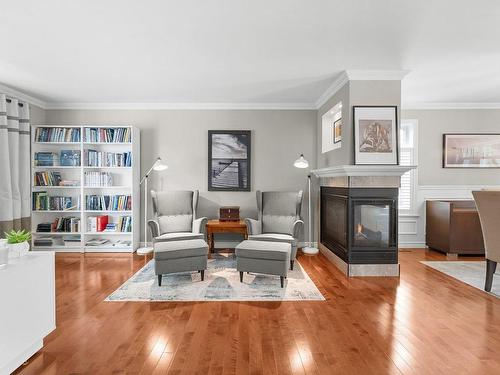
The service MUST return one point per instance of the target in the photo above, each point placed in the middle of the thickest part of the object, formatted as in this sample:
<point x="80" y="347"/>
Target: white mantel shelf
<point x="363" y="171"/>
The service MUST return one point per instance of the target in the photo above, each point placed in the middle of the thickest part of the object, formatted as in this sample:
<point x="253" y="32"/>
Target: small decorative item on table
<point x="229" y="213"/>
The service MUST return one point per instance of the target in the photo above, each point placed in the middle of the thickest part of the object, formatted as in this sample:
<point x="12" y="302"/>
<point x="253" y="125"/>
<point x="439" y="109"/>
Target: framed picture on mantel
<point x="375" y="135"/>
<point x="471" y="150"/>
<point x="229" y="154"/>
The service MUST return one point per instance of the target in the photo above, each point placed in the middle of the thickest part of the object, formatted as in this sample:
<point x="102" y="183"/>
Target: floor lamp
<point x="302" y="163"/>
<point x="157" y="166"/>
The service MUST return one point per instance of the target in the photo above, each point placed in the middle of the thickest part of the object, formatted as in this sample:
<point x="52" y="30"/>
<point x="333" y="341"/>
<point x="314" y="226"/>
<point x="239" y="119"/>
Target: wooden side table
<point x="216" y="226"/>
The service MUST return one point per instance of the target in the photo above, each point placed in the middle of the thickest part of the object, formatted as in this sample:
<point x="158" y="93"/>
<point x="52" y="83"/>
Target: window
<point x="408" y="156"/>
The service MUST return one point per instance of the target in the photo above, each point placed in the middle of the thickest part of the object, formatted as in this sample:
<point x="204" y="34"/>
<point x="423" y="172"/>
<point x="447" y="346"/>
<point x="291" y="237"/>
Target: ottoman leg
<point x="282" y="280"/>
<point x="159" y="280"/>
<point x="291" y="265"/>
<point x="202" y="274"/>
<point x="241" y="277"/>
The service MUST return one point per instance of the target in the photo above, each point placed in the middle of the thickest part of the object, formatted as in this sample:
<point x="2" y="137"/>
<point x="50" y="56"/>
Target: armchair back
<point x="278" y="210"/>
<point x="175" y="210"/>
<point x="488" y="206"/>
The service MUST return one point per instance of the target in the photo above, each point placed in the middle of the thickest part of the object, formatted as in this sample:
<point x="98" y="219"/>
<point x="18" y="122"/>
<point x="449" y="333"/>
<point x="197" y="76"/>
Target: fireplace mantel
<point x="363" y="171"/>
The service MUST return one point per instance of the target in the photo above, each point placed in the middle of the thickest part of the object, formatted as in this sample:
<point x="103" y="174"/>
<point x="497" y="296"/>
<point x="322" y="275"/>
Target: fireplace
<point x="359" y="225"/>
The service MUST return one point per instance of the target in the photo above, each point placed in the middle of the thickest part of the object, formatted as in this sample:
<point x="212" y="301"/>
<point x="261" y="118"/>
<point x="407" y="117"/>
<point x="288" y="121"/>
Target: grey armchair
<point x="278" y="219"/>
<point x="488" y="206"/>
<point x="175" y="213"/>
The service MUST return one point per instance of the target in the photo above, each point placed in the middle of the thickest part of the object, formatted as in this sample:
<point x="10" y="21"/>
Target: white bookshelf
<point x="125" y="182"/>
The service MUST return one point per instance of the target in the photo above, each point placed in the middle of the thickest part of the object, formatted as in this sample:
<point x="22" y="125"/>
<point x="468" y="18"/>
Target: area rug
<point x="472" y="273"/>
<point x="222" y="283"/>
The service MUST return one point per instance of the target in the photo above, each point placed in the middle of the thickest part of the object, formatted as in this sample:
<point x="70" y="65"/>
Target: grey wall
<point x="37" y="115"/>
<point x="180" y="138"/>
<point x="342" y="155"/>
<point x="351" y="94"/>
<point x="432" y="124"/>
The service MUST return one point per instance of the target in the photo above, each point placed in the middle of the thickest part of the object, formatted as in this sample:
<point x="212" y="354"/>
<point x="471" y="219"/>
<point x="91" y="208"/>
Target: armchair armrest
<point x="200" y="225"/>
<point x="296" y="228"/>
<point x="154" y="227"/>
<point x="253" y="226"/>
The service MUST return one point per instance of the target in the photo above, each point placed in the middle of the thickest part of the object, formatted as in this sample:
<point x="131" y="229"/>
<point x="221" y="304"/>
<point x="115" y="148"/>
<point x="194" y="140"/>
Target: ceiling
<point x="240" y="51"/>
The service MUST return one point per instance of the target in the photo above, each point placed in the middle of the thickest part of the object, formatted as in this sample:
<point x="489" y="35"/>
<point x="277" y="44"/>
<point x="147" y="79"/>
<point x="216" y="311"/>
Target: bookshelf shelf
<point x="108" y="143"/>
<point x="55" y="187"/>
<point x="55" y="211"/>
<point x="55" y="233"/>
<point x="107" y="187"/>
<point x="108" y="211"/>
<point x="87" y="167"/>
<point x="38" y="167"/>
<point x="104" y="233"/>
<point x="56" y="143"/>
<point x="126" y="180"/>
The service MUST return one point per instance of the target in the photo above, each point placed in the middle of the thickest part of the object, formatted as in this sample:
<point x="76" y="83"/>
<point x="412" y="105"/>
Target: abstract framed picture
<point x="477" y="150"/>
<point x="337" y="131"/>
<point x="229" y="154"/>
<point x="375" y="135"/>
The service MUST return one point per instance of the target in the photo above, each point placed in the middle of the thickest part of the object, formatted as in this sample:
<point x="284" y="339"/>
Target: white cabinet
<point x="27" y="307"/>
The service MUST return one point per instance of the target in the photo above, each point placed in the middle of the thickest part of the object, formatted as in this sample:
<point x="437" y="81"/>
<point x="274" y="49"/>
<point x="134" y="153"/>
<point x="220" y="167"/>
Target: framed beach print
<point x="375" y="135"/>
<point x="337" y="131"/>
<point x="471" y="150"/>
<point x="229" y="160"/>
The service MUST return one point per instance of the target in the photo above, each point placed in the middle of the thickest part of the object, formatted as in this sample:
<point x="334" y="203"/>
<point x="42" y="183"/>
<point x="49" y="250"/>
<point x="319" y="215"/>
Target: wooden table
<point x="216" y="226"/>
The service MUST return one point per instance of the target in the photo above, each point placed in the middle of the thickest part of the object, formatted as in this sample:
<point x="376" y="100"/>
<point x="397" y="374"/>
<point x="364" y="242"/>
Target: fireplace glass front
<point x="372" y="226"/>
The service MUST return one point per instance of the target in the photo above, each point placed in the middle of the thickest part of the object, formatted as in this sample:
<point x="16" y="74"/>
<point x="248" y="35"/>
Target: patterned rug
<point x="472" y="273"/>
<point x="222" y="283"/>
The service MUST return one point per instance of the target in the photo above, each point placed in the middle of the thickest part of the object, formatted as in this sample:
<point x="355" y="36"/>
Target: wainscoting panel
<point x="412" y="227"/>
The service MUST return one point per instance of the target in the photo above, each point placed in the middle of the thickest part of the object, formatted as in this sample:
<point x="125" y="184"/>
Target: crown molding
<point x="339" y="82"/>
<point x="359" y="75"/>
<point x="22" y="96"/>
<point x="181" y="106"/>
<point x="437" y="106"/>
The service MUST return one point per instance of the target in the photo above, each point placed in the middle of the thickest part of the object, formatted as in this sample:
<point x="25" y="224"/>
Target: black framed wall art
<point x="471" y="150"/>
<point x="375" y="135"/>
<point x="229" y="156"/>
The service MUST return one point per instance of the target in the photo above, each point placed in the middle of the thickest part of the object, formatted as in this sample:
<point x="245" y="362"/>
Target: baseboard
<point x="412" y="245"/>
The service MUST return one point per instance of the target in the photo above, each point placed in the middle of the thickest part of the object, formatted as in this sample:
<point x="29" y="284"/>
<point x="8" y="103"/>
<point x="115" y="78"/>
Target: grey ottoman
<point x="266" y="257"/>
<point x="180" y="256"/>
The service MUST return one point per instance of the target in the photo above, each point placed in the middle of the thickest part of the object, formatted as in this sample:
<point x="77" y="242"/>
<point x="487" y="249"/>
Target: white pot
<point x="19" y="249"/>
<point x="4" y="255"/>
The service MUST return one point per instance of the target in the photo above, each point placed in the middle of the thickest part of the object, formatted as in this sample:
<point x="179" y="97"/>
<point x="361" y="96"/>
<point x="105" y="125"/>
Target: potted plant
<point x="17" y="241"/>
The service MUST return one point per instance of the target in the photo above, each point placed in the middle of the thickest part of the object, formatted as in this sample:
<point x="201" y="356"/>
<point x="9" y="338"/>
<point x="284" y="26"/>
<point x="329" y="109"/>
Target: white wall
<point x="180" y="137"/>
<point x="436" y="182"/>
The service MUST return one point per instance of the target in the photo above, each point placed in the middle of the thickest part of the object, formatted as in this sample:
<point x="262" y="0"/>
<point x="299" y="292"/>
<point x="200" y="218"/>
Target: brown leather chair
<point x="488" y="206"/>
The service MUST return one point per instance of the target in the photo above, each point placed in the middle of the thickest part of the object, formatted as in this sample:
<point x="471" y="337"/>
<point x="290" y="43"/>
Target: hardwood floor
<point x="423" y="323"/>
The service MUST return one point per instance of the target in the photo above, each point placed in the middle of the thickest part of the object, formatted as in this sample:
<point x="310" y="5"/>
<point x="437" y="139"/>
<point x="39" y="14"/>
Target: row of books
<point x="47" y="178"/>
<point x="107" y="135"/>
<point x="52" y="178"/>
<point x="61" y="224"/>
<point x="98" y="179"/>
<point x="43" y="202"/>
<point x="67" y="158"/>
<point x="108" y="202"/>
<point x="103" y="224"/>
<point x="96" y="158"/>
<point x="57" y="134"/>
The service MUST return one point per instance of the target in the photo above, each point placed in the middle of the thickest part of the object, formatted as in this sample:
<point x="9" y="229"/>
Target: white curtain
<point x="14" y="165"/>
